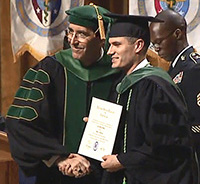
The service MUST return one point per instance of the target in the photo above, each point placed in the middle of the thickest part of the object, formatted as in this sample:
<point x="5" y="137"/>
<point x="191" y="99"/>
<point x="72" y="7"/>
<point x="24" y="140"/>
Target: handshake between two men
<point x="78" y="166"/>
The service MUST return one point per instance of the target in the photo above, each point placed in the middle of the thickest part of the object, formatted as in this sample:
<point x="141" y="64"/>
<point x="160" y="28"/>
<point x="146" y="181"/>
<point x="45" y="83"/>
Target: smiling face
<point x="122" y="52"/>
<point x="86" y="46"/>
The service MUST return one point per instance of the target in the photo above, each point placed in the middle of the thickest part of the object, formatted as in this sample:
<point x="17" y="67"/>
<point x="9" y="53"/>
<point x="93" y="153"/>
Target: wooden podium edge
<point x="3" y="136"/>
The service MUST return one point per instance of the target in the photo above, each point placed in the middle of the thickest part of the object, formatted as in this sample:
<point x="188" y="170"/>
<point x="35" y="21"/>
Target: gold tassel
<point x="100" y="23"/>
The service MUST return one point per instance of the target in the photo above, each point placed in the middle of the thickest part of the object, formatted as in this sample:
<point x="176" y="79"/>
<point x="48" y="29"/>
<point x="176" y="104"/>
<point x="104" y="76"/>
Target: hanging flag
<point x="37" y="26"/>
<point x="190" y="9"/>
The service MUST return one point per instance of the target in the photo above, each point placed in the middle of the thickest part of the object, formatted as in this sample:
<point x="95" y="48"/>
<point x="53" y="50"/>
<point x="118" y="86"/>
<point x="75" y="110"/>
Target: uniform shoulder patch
<point x="178" y="78"/>
<point x="195" y="57"/>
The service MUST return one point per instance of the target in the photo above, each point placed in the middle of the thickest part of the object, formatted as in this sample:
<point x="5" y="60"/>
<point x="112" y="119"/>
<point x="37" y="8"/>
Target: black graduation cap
<point x="131" y="25"/>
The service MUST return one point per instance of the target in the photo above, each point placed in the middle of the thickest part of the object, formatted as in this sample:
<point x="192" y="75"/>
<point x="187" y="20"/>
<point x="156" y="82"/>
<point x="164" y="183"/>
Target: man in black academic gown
<point x="170" y="41"/>
<point x="153" y="140"/>
<point x="44" y="123"/>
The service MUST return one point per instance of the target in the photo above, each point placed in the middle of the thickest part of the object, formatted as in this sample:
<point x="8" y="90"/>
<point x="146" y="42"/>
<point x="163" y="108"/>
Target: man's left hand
<point x="111" y="163"/>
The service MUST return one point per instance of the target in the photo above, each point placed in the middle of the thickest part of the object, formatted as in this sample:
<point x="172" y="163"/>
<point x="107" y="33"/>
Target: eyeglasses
<point x="157" y="45"/>
<point x="79" y="35"/>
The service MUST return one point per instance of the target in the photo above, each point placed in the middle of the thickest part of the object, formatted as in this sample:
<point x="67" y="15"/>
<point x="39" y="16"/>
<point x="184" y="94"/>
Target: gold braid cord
<point x="100" y="23"/>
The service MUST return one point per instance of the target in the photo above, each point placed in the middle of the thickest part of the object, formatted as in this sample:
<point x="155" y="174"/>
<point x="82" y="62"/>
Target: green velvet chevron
<point x="31" y="94"/>
<point x="39" y="76"/>
<point x="22" y="112"/>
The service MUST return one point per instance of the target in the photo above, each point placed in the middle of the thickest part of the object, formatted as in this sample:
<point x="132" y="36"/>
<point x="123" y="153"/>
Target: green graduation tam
<point x="91" y="16"/>
<point x="131" y="26"/>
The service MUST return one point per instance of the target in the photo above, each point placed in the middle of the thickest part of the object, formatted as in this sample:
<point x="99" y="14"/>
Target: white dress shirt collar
<point x="142" y="64"/>
<point x="177" y="57"/>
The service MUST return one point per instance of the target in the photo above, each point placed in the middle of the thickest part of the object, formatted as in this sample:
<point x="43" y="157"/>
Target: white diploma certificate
<point x="100" y="132"/>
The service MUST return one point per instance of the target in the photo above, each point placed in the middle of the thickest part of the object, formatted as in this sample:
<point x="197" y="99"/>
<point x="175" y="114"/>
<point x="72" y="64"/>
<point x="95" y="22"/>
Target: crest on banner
<point x="190" y="9"/>
<point x="38" y="26"/>
<point x="47" y="10"/>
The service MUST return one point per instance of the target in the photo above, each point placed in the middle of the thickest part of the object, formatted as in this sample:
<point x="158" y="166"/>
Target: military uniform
<point x="186" y="74"/>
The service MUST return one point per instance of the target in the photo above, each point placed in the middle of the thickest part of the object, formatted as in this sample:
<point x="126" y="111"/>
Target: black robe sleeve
<point x="34" y="121"/>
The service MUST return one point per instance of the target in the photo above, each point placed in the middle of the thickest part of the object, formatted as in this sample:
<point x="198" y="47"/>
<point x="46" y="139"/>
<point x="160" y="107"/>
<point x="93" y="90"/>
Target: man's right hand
<point x="74" y="165"/>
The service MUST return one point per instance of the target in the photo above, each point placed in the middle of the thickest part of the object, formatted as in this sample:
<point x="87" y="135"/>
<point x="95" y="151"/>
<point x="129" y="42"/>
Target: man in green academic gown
<point x="153" y="140"/>
<point x="44" y="123"/>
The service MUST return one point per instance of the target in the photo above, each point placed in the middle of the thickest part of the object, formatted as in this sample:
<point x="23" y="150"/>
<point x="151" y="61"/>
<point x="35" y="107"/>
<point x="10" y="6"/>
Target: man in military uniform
<point x="169" y="39"/>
